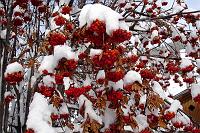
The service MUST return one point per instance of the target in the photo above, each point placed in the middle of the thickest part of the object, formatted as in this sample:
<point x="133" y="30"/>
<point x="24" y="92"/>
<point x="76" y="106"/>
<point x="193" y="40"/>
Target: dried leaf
<point x="31" y="63"/>
<point x="56" y="100"/>
<point x="162" y="123"/>
<point x="136" y="86"/>
<point x="154" y="101"/>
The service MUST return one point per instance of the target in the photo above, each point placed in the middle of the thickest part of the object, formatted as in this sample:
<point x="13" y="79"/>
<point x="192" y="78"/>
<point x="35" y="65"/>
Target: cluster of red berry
<point x="55" y="117"/>
<point x="169" y="115"/>
<point x="57" y="38"/>
<point x="59" y="20"/>
<point x="36" y="2"/>
<point x="147" y="73"/>
<point x="106" y="60"/>
<point x="119" y="36"/>
<point x="46" y="91"/>
<point x="96" y="34"/>
<point x="14" y="78"/>
<point x="9" y="98"/>
<point x="67" y="65"/>
<point x="197" y="99"/>
<point x="29" y="131"/>
<point x="66" y="9"/>
<point x="172" y="68"/>
<point x="115" y="75"/>
<point x="114" y="97"/>
<point x="187" y="69"/>
<point x="73" y="92"/>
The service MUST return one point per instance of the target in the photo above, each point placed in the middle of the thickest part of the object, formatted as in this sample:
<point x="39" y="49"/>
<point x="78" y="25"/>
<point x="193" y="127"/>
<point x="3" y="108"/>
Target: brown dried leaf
<point x="162" y="123"/>
<point x="31" y="63"/>
<point x="56" y="100"/>
<point x="154" y="101"/>
<point x="91" y="126"/>
<point x="133" y="123"/>
<point x="136" y="86"/>
<point x="101" y="103"/>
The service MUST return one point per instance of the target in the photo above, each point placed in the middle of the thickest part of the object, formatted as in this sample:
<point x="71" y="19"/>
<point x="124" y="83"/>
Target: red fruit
<point x="17" y="14"/>
<point x="46" y="91"/>
<point x="59" y="20"/>
<point x="120" y="35"/>
<point x="59" y="79"/>
<point x="54" y="117"/>
<point x="9" y="98"/>
<point x="188" y="128"/>
<point x="176" y="38"/>
<point x="36" y="2"/>
<point x="42" y="8"/>
<point x="55" y="14"/>
<point x="141" y="106"/>
<point x="100" y="81"/>
<point x="14" y="78"/>
<point x="29" y="131"/>
<point x="164" y="3"/>
<point x="189" y="80"/>
<point x="178" y="124"/>
<point x="115" y="76"/>
<point x="133" y="58"/>
<point x="66" y="10"/>
<point x="17" y="21"/>
<point x="82" y="56"/>
<point x="57" y="38"/>
<point x="73" y="92"/>
<point x="152" y="119"/>
<point x="197" y="99"/>
<point x="146" y="73"/>
<point x="196" y="130"/>
<point x="187" y="69"/>
<point x="2" y="12"/>
<point x="169" y="115"/>
<point x="107" y="60"/>
<point x="64" y="116"/>
<point x="97" y="27"/>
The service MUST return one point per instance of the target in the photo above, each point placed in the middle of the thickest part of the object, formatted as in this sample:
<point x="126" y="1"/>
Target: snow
<point x="158" y="89"/>
<point x="87" y="81"/>
<point x="116" y="85"/>
<point x="154" y="34"/>
<point x="177" y="8"/>
<point x="47" y="64"/>
<point x="175" y="105"/>
<point x="63" y="51"/>
<point x="198" y="63"/>
<point x="131" y="77"/>
<point x="181" y="117"/>
<point x="3" y="34"/>
<point x="7" y="93"/>
<point x="143" y="99"/>
<point x="94" y="52"/>
<point x="39" y="115"/>
<point x="142" y="122"/>
<point x="66" y="81"/>
<point x="101" y="75"/>
<point x="13" y="67"/>
<point x="109" y="117"/>
<point x="195" y="90"/>
<point x="185" y="63"/>
<point x="90" y="13"/>
<point x="83" y="101"/>
<point x="63" y="109"/>
<point x="48" y="81"/>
